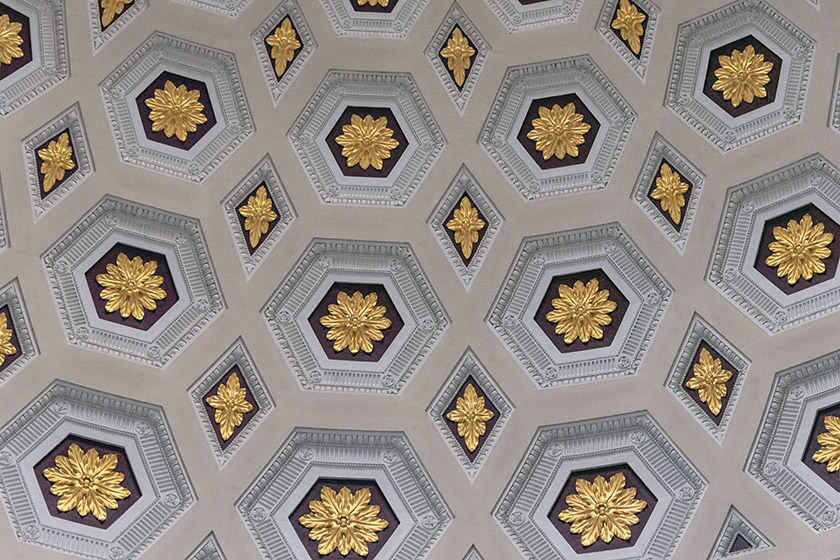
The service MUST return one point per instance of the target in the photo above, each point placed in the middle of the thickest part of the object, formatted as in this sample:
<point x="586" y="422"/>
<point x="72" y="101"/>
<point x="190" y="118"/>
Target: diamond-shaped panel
<point x="107" y="19"/>
<point x="629" y="26"/>
<point x="209" y="549"/>
<point x="19" y="339"/>
<point x="738" y="537"/>
<point x="284" y="43"/>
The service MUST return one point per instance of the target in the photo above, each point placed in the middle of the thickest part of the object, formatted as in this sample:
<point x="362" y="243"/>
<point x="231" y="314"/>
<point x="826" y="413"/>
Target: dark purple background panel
<point x="526" y="2"/>
<point x="695" y="394"/>
<point x="658" y="204"/>
<point x="446" y="62"/>
<point x="13" y="340"/>
<point x="739" y="544"/>
<point x="604" y="283"/>
<point x="297" y="50"/>
<point x="26" y="46"/>
<point x="453" y="426"/>
<point x="123" y="466"/>
<point x="631" y="481"/>
<point x="376" y="498"/>
<point x="203" y="98"/>
<point x="67" y="174"/>
<point x="379" y="347"/>
<point x="832" y="479"/>
<point x="534" y="113"/>
<point x="387" y="164"/>
<point x="767" y="237"/>
<point x="377" y="9"/>
<point x="271" y="225"/>
<point x="150" y="317"/>
<point x="451" y="233"/>
<point x="128" y="4"/>
<point x="211" y="412"/>
<point x="618" y="31"/>
<point x="770" y="87"/>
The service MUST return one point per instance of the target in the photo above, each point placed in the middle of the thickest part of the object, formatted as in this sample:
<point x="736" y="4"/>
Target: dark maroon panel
<point x="451" y="233"/>
<point x="453" y="426"/>
<point x="379" y="347"/>
<point x="211" y="412"/>
<point x="377" y="498"/>
<point x="642" y="493"/>
<point x="203" y="98"/>
<point x="241" y="218"/>
<point x="376" y="9"/>
<point x="644" y="28"/>
<point x="695" y="394"/>
<point x="739" y="544"/>
<point x="526" y="2"/>
<point x="25" y="47"/>
<point x="832" y="479"/>
<point x="13" y="340"/>
<point x="123" y="466"/>
<point x="67" y="174"/>
<point x="534" y="113"/>
<point x="472" y="58"/>
<point x="767" y="238"/>
<point x="770" y="87"/>
<point x="294" y="56"/>
<point x="151" y="316"/>
<point x="604" y="283"/>
<point x="658" y="204"/>
<point x="356" y="170"/>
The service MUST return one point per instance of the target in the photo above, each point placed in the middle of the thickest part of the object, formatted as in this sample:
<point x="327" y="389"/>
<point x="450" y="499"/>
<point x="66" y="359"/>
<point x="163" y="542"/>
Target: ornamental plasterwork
<point x="780" y="459"/>
<point x="263" y="175"/>
<point x="216" y="76"/>
<point x="290" y="9"/>
<point x="209" y="549"/>
<point x="388" y="269"/>
<point x="606" y="248"/>
<point x="812" y="182"/>
<point x="309" y="456"/>
<point x="390" y="24"/>
<point x="102" y="32"/>
<point x="834" y="116"/>
<point x="524" y="88"/>
<point x="396" y="93"/>
<point x="638" y="60"/>
<point x="701" y="333"/>
<point x="456" y="18"/>
<point x="45" y="53"/>
<point x="238" y="359"/>
<point x="465" y="185"/>
<point x="557" y="452"/>
<point x="738" y="537"/>
<point x="470" y="368"/>
<point x="518" y="16"/>
<point x="69" y="122"/>
<point x="473" y="554"/>
<point x="140" y="430"/>
<point x="696" y="41"/>
<point x="229" y="8"/>
<point x="22" y="340"/>
<point x="180" y="243"/>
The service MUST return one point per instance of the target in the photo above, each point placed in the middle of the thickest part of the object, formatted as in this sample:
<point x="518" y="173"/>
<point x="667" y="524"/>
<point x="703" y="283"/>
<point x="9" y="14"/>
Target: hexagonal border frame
<point x="538" y="258"/>
<point x="627" y="438"/>
<point x="716" y="126"/>
<point x="309" y="451"/>
<point x="777" y="191"/>
<point x="581" y="75"/>
<point x="11" y="295"/>
<point x="229" y="8"/>
<point x="736" y="524"/>
<point x="102" y="37"/>
<point x="111" y="416"/>
<point x="395" y="25"/>
<point x="232" y="113"/>
<point x="326" y="260"/>
<point x="113" y="215"/>
<point x="517" y="17"/>
<point x="604" y="27"/>
<point x="209" y="549"/>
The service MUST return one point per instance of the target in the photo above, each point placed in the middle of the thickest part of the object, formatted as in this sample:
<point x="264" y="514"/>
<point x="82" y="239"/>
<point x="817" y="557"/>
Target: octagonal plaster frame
<point x="639" y="64"/>
<point x="394" y="25"/>
<point x="178" y="237"/>
<point x="518" y="17"/>
<point x="141" y="428"/>
<point x="556" y="451"/>
<point x="520" y="86"/>
<point x="540" y="258"/>
<point x="309" y="454"/>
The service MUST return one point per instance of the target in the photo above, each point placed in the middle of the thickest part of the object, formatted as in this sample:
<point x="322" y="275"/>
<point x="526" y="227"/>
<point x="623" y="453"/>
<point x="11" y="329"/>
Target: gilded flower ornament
<point x="581" y="311"/>
<point x="471" y="416"/>
<point x="230" y="404"/>
<point x="284" y="43"/>
<point x="709" y="380"/>
<point x="466" y="224"/>
<point x="829" y="451"/>
<point x="10" y="39"/>
<point x="131" y="287"/>
<point x="176" y="110"/>
<point x="558" y="131"/>
<point x="355" y="322"/>
<point x="6" y="346"/>
<point x="799" y="249"/>
<point x="86" y="482"/>
<point x="670" y="192"/>
<point x="56" y="159"/>
<point x="258" y="215"/>
<point x="383" y="3"/>
<point x="742" y="76"/>
<point x="602" y="510"/>
<point x="457" y="53"/>
<point x="343" y="521"/>
<point x="111" y="9"/>
<point x="628" y="21"/>
<point x="366" y="141"/>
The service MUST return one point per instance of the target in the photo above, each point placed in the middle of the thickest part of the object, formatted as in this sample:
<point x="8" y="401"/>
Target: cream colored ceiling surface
<point x="379" y="417"/>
